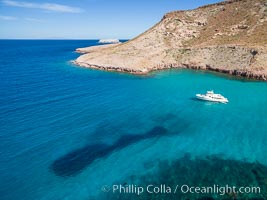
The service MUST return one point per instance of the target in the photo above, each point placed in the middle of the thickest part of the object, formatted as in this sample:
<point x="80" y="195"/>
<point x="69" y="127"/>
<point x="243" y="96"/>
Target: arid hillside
<point x="229" y="37"/>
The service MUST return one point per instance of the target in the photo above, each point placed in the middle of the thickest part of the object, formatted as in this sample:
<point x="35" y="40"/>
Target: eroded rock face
<point x="229" y="37"/>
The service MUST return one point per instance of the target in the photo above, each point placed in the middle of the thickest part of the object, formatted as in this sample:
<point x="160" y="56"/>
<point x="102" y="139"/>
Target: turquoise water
<point x="66" y="131"/>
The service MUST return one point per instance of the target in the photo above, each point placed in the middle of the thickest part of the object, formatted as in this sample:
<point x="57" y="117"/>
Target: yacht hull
<point x="205" y="98"/>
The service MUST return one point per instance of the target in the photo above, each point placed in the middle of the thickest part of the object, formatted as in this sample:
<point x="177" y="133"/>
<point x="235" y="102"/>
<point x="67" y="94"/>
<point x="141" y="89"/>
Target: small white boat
<point x="211" y="96"/>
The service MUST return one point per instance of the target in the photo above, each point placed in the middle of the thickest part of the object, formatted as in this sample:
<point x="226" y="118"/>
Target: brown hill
<point x="229" y="37"/>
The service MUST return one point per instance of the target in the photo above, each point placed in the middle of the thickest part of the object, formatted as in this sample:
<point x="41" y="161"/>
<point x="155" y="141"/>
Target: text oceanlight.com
<point x="183" y="189"/>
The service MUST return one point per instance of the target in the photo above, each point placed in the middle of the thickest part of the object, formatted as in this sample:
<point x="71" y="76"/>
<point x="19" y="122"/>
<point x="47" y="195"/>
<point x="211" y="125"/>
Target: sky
<point x="84" y="19"/>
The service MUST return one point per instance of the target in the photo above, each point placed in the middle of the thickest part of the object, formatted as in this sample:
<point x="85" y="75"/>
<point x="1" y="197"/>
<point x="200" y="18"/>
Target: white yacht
<point x="211" y="96"/>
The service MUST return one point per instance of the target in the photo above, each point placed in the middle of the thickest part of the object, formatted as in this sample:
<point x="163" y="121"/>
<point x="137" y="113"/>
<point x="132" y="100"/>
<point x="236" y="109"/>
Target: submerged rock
<point x="211" y="171"/>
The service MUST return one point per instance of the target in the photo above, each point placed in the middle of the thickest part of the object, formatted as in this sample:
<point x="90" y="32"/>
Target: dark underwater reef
<point x="199" y="172"/>
<point x="77" y="160"/>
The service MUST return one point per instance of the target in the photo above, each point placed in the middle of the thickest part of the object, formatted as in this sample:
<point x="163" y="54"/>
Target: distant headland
<point x="228" y="37"/>
<point x="109" y="41"/>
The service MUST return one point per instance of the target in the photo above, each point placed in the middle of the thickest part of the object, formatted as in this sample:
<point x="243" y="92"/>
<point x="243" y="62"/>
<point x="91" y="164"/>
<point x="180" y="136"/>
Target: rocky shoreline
<point x="110" y="68"/>
<point x="228" y="38"/>
<point x="237" y="73"/>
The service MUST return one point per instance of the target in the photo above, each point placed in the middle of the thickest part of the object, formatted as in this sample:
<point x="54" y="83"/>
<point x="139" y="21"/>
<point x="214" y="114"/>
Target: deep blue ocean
<point x="66" y="131"/>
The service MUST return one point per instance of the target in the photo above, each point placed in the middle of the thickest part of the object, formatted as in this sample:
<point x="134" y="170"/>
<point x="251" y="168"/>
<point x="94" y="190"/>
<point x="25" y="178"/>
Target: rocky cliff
<point x="228" y="37"/>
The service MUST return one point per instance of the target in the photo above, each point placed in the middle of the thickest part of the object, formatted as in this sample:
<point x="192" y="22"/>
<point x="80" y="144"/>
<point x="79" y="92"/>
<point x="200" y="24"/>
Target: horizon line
<point x="57" y="38"/>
